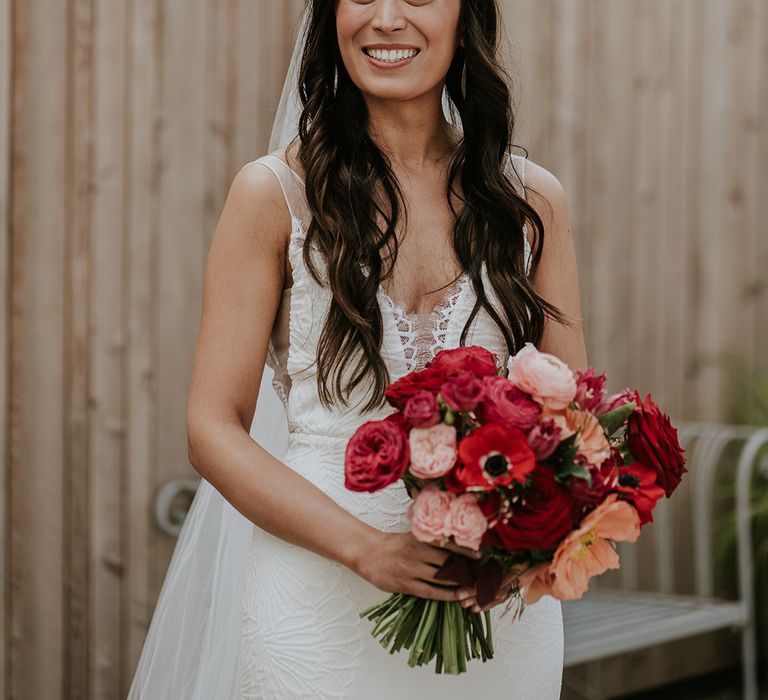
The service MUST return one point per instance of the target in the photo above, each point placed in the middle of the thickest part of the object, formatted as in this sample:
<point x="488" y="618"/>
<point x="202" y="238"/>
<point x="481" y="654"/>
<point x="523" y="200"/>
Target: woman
<point x="349" y="257"/>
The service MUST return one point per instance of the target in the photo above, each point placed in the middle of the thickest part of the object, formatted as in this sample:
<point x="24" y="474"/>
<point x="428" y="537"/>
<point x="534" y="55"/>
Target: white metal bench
<point x="608" y="622"/>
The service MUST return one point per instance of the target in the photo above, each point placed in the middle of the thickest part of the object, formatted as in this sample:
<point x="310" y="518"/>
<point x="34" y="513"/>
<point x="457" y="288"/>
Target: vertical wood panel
<point x="79" y="181"/>
<point x="107" y="343"/>
<point x="37" y="420"/>
<point x="144" y="87"/>
<point x="6" y="58"/>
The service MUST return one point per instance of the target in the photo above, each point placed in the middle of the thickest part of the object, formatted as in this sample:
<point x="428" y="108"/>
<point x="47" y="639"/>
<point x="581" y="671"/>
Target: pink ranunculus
<point x="433" y="450"/>
<point x="421" y="410"/>
<point x="507" y="405"/>
<point x="462" y="392"/>
<point x="608" y="403"/>
<point x="588" y="551"/>
<point x="544" y="438"/>
<point x="429" y="514"/>
<point x="544" y="376"/>
<point x="590" y="388"/>
<point x="466" y="521"/>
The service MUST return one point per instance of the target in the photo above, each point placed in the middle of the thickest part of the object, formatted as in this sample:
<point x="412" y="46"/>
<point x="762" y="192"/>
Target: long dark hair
<point x="343" y="166"/>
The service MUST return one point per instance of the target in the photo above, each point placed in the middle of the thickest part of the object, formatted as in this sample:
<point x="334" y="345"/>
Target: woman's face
<point x="397" y="49"/>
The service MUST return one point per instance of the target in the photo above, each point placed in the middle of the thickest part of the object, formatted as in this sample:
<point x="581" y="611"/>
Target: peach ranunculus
<point x="546" y="377"/>
<point x="433" y="450"/>
<point x="430" y="513"/>
<point x="587" y="552"/>
<point x="466" y="522"/>
<point x="590" y="441"/>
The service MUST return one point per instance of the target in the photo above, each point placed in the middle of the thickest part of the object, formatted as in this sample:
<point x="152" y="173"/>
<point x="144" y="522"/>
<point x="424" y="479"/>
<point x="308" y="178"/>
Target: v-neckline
<point x="395" y="314"/>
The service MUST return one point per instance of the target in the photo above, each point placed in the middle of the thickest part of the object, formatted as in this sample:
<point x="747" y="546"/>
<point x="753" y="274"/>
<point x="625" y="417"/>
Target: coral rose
<point x="544" y="376"/>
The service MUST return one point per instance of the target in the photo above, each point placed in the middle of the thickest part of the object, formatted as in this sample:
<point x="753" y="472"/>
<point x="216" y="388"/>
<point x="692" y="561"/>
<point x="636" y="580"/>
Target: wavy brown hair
<point x="343" y="166"/>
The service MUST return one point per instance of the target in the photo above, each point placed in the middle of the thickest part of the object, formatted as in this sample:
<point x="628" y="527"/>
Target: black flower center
<point x="629" y="480"/>
<point x="496" y="465"/>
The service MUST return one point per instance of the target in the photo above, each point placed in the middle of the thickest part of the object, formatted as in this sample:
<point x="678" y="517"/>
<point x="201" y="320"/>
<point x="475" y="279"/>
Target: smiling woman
<point x="389" y="221"/>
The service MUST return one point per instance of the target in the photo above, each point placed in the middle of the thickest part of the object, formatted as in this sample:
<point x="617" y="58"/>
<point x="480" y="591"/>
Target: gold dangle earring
<point x="335" y="79"/>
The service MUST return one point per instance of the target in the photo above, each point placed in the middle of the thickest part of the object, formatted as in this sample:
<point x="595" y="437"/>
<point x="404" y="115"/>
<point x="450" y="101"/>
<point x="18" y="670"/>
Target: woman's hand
<point x="399" y="563"/>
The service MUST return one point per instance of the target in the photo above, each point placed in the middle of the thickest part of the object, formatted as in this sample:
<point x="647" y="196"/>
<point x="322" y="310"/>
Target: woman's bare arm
<point x="243" y="283"/>
<point x="244" y="278"/>
<point x="557" y="278"/>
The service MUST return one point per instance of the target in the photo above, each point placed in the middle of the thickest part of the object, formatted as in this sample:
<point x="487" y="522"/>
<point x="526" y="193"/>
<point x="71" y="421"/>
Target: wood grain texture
<point x="122" y="125"/>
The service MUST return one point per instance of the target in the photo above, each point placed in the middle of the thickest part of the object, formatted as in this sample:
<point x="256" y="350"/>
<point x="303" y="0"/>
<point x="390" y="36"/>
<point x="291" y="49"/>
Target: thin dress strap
<point x="292" y="186"/>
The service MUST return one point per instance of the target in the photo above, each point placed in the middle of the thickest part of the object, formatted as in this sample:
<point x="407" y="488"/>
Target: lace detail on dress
<point x="424" y="335"/>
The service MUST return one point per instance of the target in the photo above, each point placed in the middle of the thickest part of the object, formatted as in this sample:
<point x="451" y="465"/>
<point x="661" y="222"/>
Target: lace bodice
<point x="414" y="338"/>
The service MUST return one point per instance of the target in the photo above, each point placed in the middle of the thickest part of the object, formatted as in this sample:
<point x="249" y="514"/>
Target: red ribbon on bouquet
<point x="486" y="577"/>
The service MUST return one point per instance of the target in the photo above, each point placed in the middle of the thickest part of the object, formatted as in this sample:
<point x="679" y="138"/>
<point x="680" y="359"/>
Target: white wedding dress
<point x="302" y="636"/>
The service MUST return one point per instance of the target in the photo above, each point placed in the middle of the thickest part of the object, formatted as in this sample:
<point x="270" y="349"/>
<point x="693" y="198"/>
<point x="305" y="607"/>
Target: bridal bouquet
<point x="531" y="464"/>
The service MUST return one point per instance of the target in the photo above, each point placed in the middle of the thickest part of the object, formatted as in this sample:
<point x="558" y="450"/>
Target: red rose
<point x="462" y="392"/>
<point x="653" y="442"/>
<point x="638" y="484"/>
<point x="377" y="454"/>
<point x="506" y="404"/>
<point x="421" y="410"/>
<point x="428" y="379"/>
<point x="473" y="358"/>
<point x="543" y="518"/>
<point x="491" y="456"/>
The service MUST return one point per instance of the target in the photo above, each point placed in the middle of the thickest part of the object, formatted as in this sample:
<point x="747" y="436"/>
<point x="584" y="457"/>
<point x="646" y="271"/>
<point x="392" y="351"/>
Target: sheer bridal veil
<point x="192" y="647"/>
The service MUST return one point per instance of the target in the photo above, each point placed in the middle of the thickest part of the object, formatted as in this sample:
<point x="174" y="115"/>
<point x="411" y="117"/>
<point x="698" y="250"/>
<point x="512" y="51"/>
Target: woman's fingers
<point x="466" y="551"/>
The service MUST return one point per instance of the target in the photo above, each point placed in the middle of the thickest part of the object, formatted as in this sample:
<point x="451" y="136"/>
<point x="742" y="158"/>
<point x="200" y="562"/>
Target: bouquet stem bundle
<point x="432" y="629"/>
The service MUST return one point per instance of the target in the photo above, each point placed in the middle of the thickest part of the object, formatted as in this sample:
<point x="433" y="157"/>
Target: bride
<point x="388" y="221"/>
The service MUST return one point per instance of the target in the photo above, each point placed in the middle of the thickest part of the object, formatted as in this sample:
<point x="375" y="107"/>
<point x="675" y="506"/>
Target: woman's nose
<point x="387" y="15"/>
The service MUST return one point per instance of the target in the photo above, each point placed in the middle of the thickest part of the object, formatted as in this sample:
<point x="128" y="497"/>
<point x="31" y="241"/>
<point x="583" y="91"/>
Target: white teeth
<point x="391" y="56"/>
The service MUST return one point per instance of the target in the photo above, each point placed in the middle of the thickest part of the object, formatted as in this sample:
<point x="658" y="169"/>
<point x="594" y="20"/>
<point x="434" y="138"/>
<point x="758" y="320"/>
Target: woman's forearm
<point x="275" y="497"/>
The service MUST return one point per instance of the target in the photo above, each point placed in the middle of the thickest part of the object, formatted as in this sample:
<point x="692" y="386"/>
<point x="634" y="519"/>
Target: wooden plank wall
<point x="121" y="127"/>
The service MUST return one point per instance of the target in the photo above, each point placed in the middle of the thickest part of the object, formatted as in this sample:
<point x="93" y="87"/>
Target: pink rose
<point x="429" y="513"/>
<point x="433" y="450"/>
<point x="466" y="522"/>
<point x="614" y="401"/>
<point x="544" y="438"/>
<point x="376" y="454"/>
<point x="462" y="392"/>
<point x="421" y="410"/>
<point x="545" y="377"/>
<point x="590" y="388"/>
<point x="507" y="405"/>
